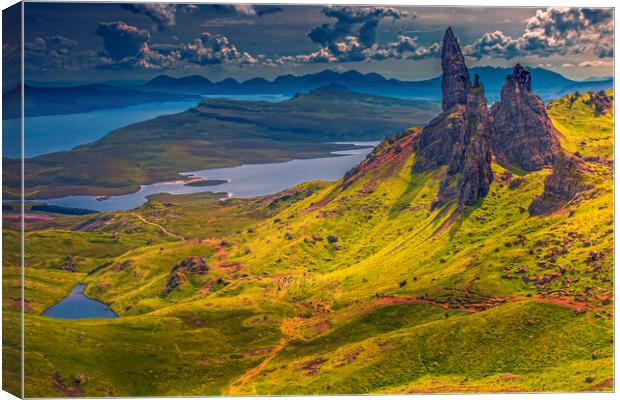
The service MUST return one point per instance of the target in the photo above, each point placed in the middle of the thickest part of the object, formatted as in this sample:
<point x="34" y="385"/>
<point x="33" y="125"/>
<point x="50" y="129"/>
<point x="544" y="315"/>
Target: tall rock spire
<point x="524" y="135"/>
<point x="434" y="146"/>
<point x="461" y="136"/>
<point x="455" y="82"/>
<point x="469" y="173"/>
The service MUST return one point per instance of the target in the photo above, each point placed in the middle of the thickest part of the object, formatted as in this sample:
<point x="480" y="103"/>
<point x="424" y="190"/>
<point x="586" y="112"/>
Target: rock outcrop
<point x="524" y="135"/>
<point x="469" y="171"/>
<point x="179" y="274"/>
<point x="564" y="183"/>
<point x="455" y="83"/>
<point x="433" y="147"/>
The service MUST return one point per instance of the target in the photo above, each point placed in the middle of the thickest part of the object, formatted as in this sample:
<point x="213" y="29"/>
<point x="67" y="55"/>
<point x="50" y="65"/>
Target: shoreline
<point x="189" y="185"/>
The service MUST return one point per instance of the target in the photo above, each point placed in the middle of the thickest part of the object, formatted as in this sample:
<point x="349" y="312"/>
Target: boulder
<point x="561" y="186"/>
<point x="193" y="265"/>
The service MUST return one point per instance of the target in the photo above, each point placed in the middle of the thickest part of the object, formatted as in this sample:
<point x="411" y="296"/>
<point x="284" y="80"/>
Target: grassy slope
<point x="595" y="132"/>
<point x="406" y="300"/>
<point x="202" y="137"/>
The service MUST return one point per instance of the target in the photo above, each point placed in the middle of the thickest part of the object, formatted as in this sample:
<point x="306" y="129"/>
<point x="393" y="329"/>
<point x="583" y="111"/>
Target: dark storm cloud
<point x="126" y="47"/>
<point x="352" y="37"/>
<point x="245" y="9"/>
<point x="559" y="31"/>
<point x="121" y="40"/>
<point x="265" y="10"/>
<point x="163" y="15"/>
<point x="352" y="21"/>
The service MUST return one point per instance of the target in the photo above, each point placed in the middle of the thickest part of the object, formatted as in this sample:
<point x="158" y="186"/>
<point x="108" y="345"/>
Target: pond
<point x="78" y="306"/>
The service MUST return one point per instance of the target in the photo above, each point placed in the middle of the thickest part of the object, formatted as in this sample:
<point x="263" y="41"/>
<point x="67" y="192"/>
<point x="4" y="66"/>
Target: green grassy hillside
<point x="347" y="287"/>
<point x="586" y="128"/>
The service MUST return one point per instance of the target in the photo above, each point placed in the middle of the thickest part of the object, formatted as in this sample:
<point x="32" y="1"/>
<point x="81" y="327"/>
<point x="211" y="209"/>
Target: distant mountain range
<point x="48" y="100"/>
<point x="547" y="84"/>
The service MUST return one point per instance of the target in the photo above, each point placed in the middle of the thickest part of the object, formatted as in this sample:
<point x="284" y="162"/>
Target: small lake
<point x="50" y="133"/>
<point x="78" y="306"/>
<point x="243" y="181"/>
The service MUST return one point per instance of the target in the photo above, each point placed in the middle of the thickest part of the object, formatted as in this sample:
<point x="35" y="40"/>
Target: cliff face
<point x="469" y="171"/>
<point x="524" y="135"/>
<point x="564" y="183"/>
<point x="434" y="146"/>
<point x="455" y="83"/>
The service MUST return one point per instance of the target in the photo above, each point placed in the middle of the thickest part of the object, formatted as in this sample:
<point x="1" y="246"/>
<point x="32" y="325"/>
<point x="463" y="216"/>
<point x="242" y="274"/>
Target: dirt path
<point x="164" y="230"/>
<point x="288" y="328"/>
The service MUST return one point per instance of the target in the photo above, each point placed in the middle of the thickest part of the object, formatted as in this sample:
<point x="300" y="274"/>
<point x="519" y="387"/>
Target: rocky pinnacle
<point x="455" y="83"/>
<point x="524" y="135"/>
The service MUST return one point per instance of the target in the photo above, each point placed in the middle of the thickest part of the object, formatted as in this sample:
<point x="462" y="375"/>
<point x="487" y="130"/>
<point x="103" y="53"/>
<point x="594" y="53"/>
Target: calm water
<point x="78" y="306"/>
<point x="243" y="181"/>
<point x="50" y="133"/>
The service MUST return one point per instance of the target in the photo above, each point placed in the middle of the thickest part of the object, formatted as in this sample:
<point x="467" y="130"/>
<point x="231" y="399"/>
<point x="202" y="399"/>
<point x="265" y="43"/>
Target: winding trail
<point x="288" y="327"/>
<point x="164" y="230"/>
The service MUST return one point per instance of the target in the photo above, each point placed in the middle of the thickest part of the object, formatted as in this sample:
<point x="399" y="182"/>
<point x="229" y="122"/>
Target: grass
<point x="402" y="299"/>
<point x="583" y="131"/>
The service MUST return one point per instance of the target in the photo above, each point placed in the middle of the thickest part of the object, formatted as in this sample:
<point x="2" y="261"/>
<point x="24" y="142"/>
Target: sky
<point x="88" y="42"/>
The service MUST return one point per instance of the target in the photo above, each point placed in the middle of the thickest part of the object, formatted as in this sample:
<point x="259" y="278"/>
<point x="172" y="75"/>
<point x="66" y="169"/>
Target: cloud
<point x="568" y="65"/>
<point x="246" y="10"/>
<point x="212" y="49"/>
<point x="128" y="47"/>
<point x="358" y="22"/>
<point x="597" y="64"/>
<point x="57" y="53"/>
<point x="125" y="46"/>
<point x="352" y="37"/>
<point x="553" y="31"/>
<point x="163" y="15"/>
<point x="266" y="10"/>
<point x="404" y="48"/>
<point x="121" y="40"/>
